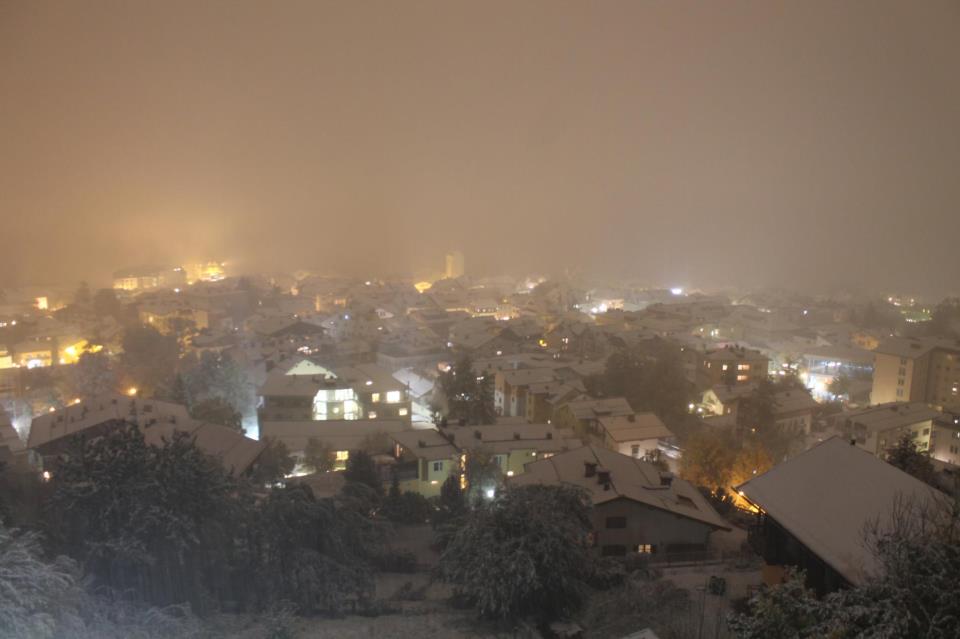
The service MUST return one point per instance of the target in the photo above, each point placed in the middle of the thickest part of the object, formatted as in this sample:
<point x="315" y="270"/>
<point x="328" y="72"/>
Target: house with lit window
<point x="587" y="411"/>
<point x="302" y="390"/>
<point x="424" y="460"/>
<point x="731" y="365"/>
<point x="511" y="445"/>
<point x="339" y="436"/>
<point x="638" y="435"/>
<point x="636" y="507"/>
<point x="793" y="409"/>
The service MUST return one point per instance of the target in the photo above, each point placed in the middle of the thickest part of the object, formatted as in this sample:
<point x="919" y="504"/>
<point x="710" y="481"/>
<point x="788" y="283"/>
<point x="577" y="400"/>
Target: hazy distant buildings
<point x="454" y="265"/>
<point x="149" y="277"/>
<point x="917" y="370"/>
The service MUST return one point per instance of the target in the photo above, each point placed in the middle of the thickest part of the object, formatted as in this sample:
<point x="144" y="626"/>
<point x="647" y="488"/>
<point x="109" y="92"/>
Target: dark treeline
<point x="167" y="525"/>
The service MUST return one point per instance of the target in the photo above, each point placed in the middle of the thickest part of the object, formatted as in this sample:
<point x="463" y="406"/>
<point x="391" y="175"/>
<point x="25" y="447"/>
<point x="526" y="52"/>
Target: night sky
<point x="805" y="144"/>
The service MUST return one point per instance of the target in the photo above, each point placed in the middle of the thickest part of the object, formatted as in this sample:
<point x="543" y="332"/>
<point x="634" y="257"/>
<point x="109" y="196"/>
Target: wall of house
<point x="645" y="447"/>
<point x="662" y="530"/>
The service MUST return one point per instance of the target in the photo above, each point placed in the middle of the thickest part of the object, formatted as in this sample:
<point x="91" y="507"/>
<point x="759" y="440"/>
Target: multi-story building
<point x="305" y="391"/>
<point x="149" y="277"/>
<point x="732" y="365"/>
<point x="169" y="316"/>
<point x="917" y="370"/>
<point x="454" y="264"/>
<point x="878" y="428"/>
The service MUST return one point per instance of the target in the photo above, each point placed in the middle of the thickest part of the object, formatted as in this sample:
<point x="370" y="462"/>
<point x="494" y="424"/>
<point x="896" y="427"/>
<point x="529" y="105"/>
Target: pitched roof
<point x="891" y="415"/>
<point x="625" y="428"/>
<point x="630" y="478"/>
<point x="426" y="444"/>
<point x="594" y="408"/>
<point x="339" y="434"/>
<point x="825" y="496"/>
<point x="97" y="410"/>
<point x="504" y="438"/>
<point x="234" y="450"/>
<point x="157" y="420"/>
<point x="912" y="347"/>
<point x="792" y="401"/>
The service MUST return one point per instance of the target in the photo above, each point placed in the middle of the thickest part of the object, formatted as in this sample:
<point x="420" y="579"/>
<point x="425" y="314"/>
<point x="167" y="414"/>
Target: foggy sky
<point x="805" y="144"/>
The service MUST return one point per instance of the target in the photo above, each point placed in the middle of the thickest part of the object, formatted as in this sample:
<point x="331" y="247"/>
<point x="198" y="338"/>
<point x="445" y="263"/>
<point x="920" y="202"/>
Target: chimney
<point x="589" y="469"/>
<point x="666" y="479"/>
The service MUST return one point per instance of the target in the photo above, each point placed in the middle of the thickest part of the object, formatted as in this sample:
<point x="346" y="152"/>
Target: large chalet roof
<point x="827" y="495"/>
<point x="97" y="410"/>
<point x="157" y="420"/>
<point x="630" y="479"/>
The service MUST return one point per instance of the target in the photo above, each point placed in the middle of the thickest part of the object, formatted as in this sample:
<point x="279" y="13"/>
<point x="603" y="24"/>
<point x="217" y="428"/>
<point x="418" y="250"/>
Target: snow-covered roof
<point x="626" y="428"/>
<point x="594" y="408"/>
<point x="339" y="434"/>
<point x="827" y="495"/>
<point x="157" y="420"/>
<point x="883" y="417"/>
<point x="629" y="478"/>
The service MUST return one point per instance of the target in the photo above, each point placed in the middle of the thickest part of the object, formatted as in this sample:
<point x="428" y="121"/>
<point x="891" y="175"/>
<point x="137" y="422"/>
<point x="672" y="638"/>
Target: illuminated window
<point x="372" y="414"/>
<point x="645" y="549"/>
<point x="742" y="378"/>
<point x="375" y="398"/>
<point x="743" y="367"/>
<point x="724" y="367"/>
<point x="402" y="412"/>
<point x="393" y="397"/>
<point x="343" y="455"/>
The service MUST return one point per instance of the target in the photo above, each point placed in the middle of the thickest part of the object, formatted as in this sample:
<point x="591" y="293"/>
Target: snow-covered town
<point x="530" y="319"/>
